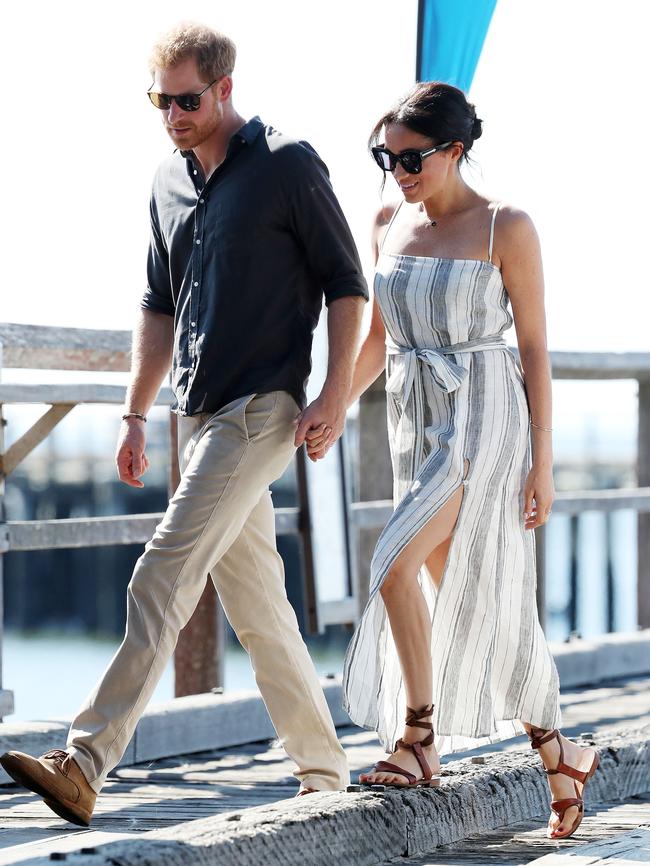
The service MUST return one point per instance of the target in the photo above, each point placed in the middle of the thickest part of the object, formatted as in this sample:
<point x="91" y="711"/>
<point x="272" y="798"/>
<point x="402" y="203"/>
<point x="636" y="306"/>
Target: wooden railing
<point x="38" y="347"/>
<point x="375" y="479"/>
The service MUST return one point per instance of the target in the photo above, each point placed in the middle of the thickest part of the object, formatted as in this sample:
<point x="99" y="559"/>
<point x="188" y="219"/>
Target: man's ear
<point x="224" y="88"/>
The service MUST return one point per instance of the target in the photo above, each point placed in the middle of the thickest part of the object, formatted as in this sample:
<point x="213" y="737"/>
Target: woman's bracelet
<point x="134" y="415"/>
<point x="539" y="427"/>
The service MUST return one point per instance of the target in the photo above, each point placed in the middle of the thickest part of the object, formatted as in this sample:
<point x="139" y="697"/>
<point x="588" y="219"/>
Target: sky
<point x="561" y="88"/>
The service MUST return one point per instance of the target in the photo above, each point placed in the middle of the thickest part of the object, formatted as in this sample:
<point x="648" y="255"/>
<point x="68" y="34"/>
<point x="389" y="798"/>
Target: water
<point x="51" y="674"/>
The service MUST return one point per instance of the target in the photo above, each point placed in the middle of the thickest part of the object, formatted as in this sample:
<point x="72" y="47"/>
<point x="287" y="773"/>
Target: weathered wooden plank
<point x="38" y="737"/>
<point x="72" y="393"/>
<point x="367" y="515"/>
<point x="342" y="610"/>
<point x="38" y="347"/>
<point x="101" y="531"/>
<point x="43" y="347"/>
<point x="575" y="502"/>
<point x="199" y="722"/>
<point x="47" y="841"/>
<point x="526" y="842"/>
<point x="629" y="847"/>
<point x="336" y="827"/>
<point x="80" y="532"/>
<point x="600" y="365"/>
<point x="6" y="702"/>
<point x="33" y="437"/>
<point x="188" y="787"/>
<point x="583" y="662"/>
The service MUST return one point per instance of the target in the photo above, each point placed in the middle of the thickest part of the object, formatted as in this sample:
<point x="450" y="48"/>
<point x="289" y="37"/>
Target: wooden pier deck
<point x="169" y="792"/>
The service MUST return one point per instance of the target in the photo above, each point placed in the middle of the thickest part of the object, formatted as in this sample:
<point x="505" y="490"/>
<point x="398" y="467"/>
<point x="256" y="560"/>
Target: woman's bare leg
<point x="411" y="627"/>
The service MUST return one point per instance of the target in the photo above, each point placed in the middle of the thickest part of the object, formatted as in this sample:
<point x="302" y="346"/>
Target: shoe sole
<point x="15" y="770"/>
<point x="434" y="782"/>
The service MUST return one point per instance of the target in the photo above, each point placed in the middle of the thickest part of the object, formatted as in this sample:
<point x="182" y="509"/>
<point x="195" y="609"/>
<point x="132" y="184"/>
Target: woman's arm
<point x="517" y="245"/>
<point x="371" y="359"/>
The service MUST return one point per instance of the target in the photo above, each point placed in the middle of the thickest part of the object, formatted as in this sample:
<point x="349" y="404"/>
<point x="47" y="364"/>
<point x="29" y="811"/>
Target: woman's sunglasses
<point x="410" y="160"/>
<point x="186" y="101"/>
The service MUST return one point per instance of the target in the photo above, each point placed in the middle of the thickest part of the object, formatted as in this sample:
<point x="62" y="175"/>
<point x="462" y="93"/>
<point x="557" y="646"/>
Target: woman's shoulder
<point x="509" y="217"/>
<point x="384" y="214"/>
<point x="514" y="232"/>
<point x="381" y="220"/>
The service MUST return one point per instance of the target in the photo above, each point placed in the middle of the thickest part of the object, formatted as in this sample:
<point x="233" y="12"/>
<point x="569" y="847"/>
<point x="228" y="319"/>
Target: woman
<point x="451" y="623"/>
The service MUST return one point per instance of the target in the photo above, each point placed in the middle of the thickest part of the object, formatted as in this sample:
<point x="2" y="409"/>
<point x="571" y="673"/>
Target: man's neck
<point x="212" y="152"/>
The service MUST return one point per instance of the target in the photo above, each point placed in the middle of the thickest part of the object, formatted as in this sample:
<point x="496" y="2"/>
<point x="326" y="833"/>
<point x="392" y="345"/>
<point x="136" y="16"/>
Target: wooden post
<point x="643" y="520"/>
<point x="375" y="476"/>
<point x="199" y="660"/>
<point x="310" y="595"/>
<point x="573" y="574"/>
<point x="610" y="588"/>
<point x="6" y="697"/>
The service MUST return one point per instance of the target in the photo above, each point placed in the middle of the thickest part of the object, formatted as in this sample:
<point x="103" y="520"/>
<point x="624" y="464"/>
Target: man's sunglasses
<point x="410" y="160"/>
<point x="186" y="101"/>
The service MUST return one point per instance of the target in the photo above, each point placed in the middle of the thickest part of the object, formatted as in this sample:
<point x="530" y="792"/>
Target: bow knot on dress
<point x="445" y="372"/>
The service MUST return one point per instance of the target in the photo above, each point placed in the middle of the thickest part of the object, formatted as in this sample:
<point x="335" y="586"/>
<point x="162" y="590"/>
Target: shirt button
<point x="198" y="241"/>
<point x="195" y="283"/>
<point x="201" y="201"/>
<point x="193" y="324"/>
<point x="195" y="171"/>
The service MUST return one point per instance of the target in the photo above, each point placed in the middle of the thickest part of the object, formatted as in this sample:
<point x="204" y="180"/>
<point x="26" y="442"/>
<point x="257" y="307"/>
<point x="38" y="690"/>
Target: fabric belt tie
<point x="447" y="374"/>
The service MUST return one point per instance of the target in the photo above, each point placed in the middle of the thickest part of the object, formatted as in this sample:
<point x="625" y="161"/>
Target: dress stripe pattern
<point x="457" y="417"/>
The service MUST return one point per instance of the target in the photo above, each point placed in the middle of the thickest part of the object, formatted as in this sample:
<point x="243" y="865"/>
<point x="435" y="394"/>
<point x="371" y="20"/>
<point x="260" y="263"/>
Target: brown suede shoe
<point x="55" y="777"/>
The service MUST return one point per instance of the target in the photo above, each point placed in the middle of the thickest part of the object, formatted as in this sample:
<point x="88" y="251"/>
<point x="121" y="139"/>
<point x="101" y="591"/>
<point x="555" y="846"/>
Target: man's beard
<point x="196" y="135"/>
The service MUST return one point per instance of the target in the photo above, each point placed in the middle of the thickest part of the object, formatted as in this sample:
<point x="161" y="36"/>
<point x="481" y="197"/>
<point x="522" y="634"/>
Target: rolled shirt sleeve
<point x="158" y="295"/>
<point x="322" y="229"/>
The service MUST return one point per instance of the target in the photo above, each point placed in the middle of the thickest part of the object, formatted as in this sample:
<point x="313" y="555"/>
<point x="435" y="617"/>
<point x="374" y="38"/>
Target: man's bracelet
<point x="134" y="415"/>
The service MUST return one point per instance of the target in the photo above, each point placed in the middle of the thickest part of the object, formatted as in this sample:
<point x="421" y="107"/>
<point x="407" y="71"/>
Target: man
<point x="246" y="237"/>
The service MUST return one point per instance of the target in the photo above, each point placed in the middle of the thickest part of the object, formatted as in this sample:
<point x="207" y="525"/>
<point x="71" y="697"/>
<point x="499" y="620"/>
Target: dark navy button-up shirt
<point x="242" y="263"/>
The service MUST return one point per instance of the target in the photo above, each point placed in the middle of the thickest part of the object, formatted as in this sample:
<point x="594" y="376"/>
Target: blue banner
<point x="451" y="34"/>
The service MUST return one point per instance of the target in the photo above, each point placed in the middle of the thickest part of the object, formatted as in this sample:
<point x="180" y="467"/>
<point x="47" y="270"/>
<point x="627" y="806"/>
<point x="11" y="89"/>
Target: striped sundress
<point x="455" y="393"/>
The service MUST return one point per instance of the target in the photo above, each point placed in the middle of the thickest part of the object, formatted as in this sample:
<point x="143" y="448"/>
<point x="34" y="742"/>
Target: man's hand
<point x="130" y="458"/>
<point x="321" y="424"/>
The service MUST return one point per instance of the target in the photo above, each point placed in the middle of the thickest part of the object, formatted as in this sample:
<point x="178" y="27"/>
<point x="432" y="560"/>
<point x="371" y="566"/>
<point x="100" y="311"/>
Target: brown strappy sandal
<point x="540" y="736"/>
<point x="386" y="767"/>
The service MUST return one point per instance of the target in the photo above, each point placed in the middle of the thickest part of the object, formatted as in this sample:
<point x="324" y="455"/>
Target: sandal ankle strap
<point x="539" y="736"/>
<point x="416" y="748"/>
<point x="402" y="744"/>
<point x="413" y="715"/>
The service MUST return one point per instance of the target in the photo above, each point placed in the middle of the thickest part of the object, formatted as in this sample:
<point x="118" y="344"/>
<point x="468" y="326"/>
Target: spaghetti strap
<point x="390" y="222"/>
<point x="494" y="216"/>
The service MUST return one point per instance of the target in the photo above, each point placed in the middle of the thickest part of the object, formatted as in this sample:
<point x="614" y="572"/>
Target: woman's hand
<point x="539" y="493"/>
<point x="321" y="424"/>
<point x="317" y="440"/>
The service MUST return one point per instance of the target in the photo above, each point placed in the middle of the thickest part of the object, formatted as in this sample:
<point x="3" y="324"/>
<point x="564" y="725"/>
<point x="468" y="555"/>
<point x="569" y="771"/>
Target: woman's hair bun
<point x="439" y="111"/>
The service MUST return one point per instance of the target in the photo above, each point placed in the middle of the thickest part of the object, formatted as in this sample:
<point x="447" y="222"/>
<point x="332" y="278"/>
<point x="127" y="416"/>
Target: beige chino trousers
<point x="219" y="520"/>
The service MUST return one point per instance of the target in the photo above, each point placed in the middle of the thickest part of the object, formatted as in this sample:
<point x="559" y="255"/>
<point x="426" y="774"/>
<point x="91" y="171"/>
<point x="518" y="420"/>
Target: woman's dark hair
<point x="437" y="110"/>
